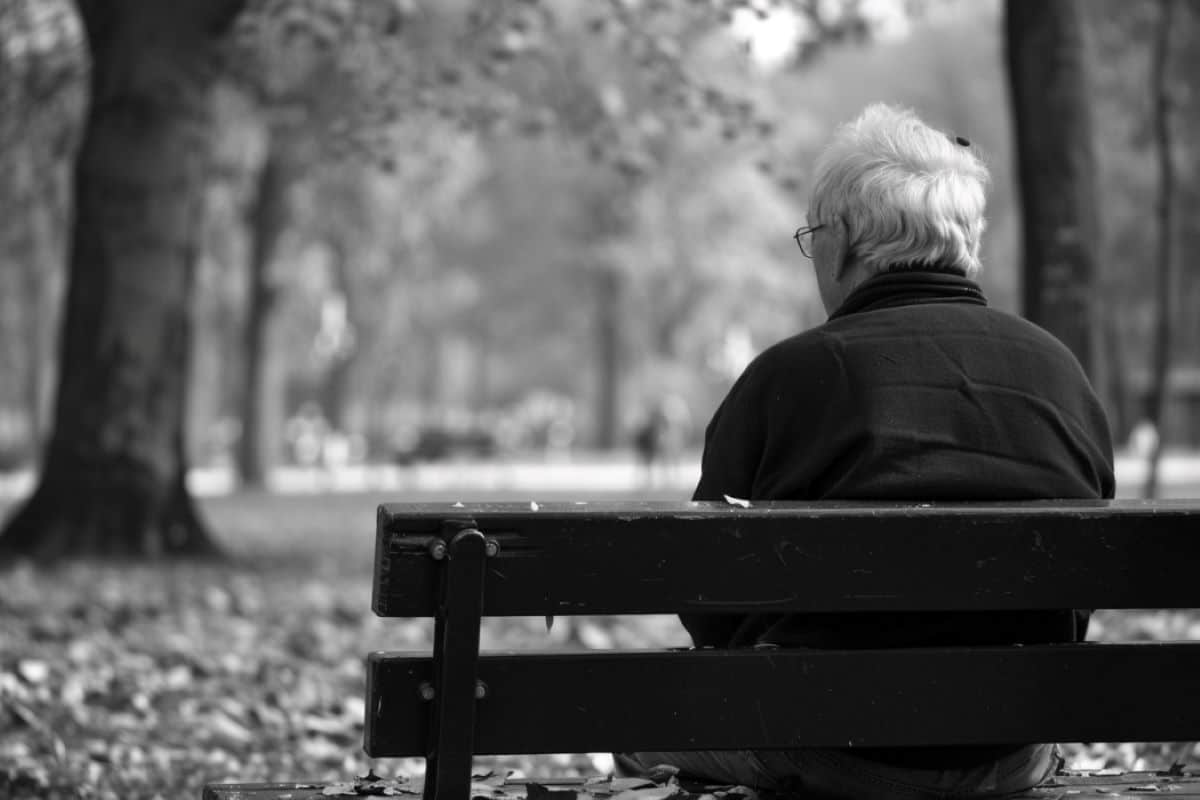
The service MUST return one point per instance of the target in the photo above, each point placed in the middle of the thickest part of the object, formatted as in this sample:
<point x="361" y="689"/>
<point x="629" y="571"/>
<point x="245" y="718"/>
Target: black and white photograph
<point x="599" y="399"/>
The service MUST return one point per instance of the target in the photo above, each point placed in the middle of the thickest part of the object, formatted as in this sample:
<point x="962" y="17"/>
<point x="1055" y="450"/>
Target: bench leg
<point x="455" y="663"/>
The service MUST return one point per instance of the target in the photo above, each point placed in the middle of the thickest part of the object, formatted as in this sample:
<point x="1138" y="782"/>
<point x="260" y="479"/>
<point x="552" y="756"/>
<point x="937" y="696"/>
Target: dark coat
<point x="913" y="390"/>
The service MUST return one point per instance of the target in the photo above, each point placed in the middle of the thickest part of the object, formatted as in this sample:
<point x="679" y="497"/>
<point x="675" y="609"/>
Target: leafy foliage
<point x="42" y="51"/>
<point x="524" y="66"/>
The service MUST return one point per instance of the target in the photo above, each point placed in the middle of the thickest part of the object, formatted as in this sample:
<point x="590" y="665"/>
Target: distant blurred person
<point x="649" y="438"/>
<point x="659" y="439"/>
<point x="1143" y="438"/>
<point x="914" y="389"/>
<point x="305" y="433"/>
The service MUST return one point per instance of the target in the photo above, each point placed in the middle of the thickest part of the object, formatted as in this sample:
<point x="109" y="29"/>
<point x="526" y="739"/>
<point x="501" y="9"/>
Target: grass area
<point x="150" y="680"/>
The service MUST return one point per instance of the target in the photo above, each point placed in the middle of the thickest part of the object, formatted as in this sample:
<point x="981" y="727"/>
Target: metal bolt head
<point x="437" y="549"/>
<point x="426" y="691"/>
<point x="492" y="547"/>
<point x="481" y="690"/>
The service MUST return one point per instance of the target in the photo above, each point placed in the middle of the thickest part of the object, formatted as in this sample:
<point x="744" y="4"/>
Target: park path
<point x="579" y="473"/>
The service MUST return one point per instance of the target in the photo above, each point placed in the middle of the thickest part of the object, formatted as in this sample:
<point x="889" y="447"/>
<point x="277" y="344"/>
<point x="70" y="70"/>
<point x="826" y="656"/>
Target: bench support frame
<point x="455" y="662"/>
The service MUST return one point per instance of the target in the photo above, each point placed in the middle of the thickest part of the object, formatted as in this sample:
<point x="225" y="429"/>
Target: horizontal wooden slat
<point x="691" y="557"/>
<point x="264" y="791"/>
<point x="678" y="700"/>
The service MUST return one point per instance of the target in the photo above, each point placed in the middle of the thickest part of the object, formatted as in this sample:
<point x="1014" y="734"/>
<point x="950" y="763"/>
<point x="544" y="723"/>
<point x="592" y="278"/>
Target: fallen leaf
<point x="492" y="778"/>
<point x="336" y="789"/>
<point x="737" y="501"/>
<point x="621" y="784"/>
<point x="373" y="785"/>
<point x="225" y="727"/>
<point x="33" y="671"/>
<point x="660" y="773"/>
<point x="607" y="786"/>
<point x="655" y="792"/>
<point x="742" y="791"/>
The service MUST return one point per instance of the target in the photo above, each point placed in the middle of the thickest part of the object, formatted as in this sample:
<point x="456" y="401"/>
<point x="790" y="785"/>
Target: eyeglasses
<point x="804" y="237"/>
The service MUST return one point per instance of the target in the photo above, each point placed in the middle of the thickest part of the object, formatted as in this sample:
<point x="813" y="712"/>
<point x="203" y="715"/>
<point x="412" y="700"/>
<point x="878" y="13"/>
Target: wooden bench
<point x="459" y="564"/>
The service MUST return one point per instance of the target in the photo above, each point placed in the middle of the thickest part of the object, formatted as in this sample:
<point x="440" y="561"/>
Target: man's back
<point x="914" y="390"/>
<point x="942" y="401"/>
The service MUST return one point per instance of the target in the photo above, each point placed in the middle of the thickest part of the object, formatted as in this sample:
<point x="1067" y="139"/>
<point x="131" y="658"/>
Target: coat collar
<point x="916" y="285"/>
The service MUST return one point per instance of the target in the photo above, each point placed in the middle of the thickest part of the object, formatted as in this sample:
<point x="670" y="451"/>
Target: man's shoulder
<point x="947" y="318"/>
<point x="1033" y="336"/>
<point x="809" y="348"/>
<point x="1027" y="327"/>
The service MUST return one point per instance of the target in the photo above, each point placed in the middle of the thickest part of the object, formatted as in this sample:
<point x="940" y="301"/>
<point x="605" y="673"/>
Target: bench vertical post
<point x="455" y="662"/>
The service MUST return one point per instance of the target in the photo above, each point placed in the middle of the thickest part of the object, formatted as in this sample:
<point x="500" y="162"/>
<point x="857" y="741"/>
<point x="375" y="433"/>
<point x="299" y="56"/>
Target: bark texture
<point x="1047" y="47"/>
<point x="113" y="482"/>
<point x="267" y="221"/>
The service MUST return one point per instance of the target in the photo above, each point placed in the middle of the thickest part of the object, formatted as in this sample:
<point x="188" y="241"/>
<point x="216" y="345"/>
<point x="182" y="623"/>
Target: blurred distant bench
<point x="461" y="563"/>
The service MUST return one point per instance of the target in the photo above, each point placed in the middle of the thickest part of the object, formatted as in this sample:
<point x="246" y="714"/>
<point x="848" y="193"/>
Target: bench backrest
<point x="775" y="557"/>
<point x="460" y="563"/>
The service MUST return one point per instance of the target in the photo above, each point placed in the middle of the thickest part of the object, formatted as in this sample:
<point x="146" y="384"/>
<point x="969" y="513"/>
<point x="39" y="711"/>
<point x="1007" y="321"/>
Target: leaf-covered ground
<point x="150" y="680"/>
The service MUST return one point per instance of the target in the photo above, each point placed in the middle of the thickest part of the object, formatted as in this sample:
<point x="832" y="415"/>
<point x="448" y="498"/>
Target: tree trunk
<point x="38" y="275"/>
<point x="1167" y="223"/>
<point x="608" y="357"/>
<point x="47" y="227"/>
<point x="268" y="220"/>
<point x="338" y="385"/>
<point x="1119" y="392"/>
<point x="113" y="482"/>
<point x="29" y="306"/>
<point x="1047" y="51"/>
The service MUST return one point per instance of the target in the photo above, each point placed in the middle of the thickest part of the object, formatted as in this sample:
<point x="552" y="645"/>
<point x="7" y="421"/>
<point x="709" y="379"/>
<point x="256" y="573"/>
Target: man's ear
<point x="839" y="237"/>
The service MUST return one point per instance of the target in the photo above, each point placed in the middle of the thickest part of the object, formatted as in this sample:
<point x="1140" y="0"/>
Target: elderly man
<point x="913" y="390"/>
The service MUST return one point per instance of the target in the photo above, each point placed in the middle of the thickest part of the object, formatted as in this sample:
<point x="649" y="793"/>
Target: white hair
<point x="908" y="194"/>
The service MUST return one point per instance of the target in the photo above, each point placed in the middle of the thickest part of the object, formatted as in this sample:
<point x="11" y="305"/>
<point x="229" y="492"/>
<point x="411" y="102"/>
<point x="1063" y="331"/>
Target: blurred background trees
<point x="1048" y="47"/>
<point x="1143" y="78"/>
<point x="401" y="230"/>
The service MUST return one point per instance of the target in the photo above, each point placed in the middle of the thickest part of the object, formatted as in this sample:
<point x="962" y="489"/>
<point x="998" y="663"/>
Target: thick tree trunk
<point x="268" y="220"/>
<point x="113" y="482"/>
<point x="1047" y="50"/>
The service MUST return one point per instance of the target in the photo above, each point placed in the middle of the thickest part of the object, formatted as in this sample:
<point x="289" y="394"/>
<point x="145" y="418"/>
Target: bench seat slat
<point x="685" y="557"/>
<point x="669" y="700"/>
